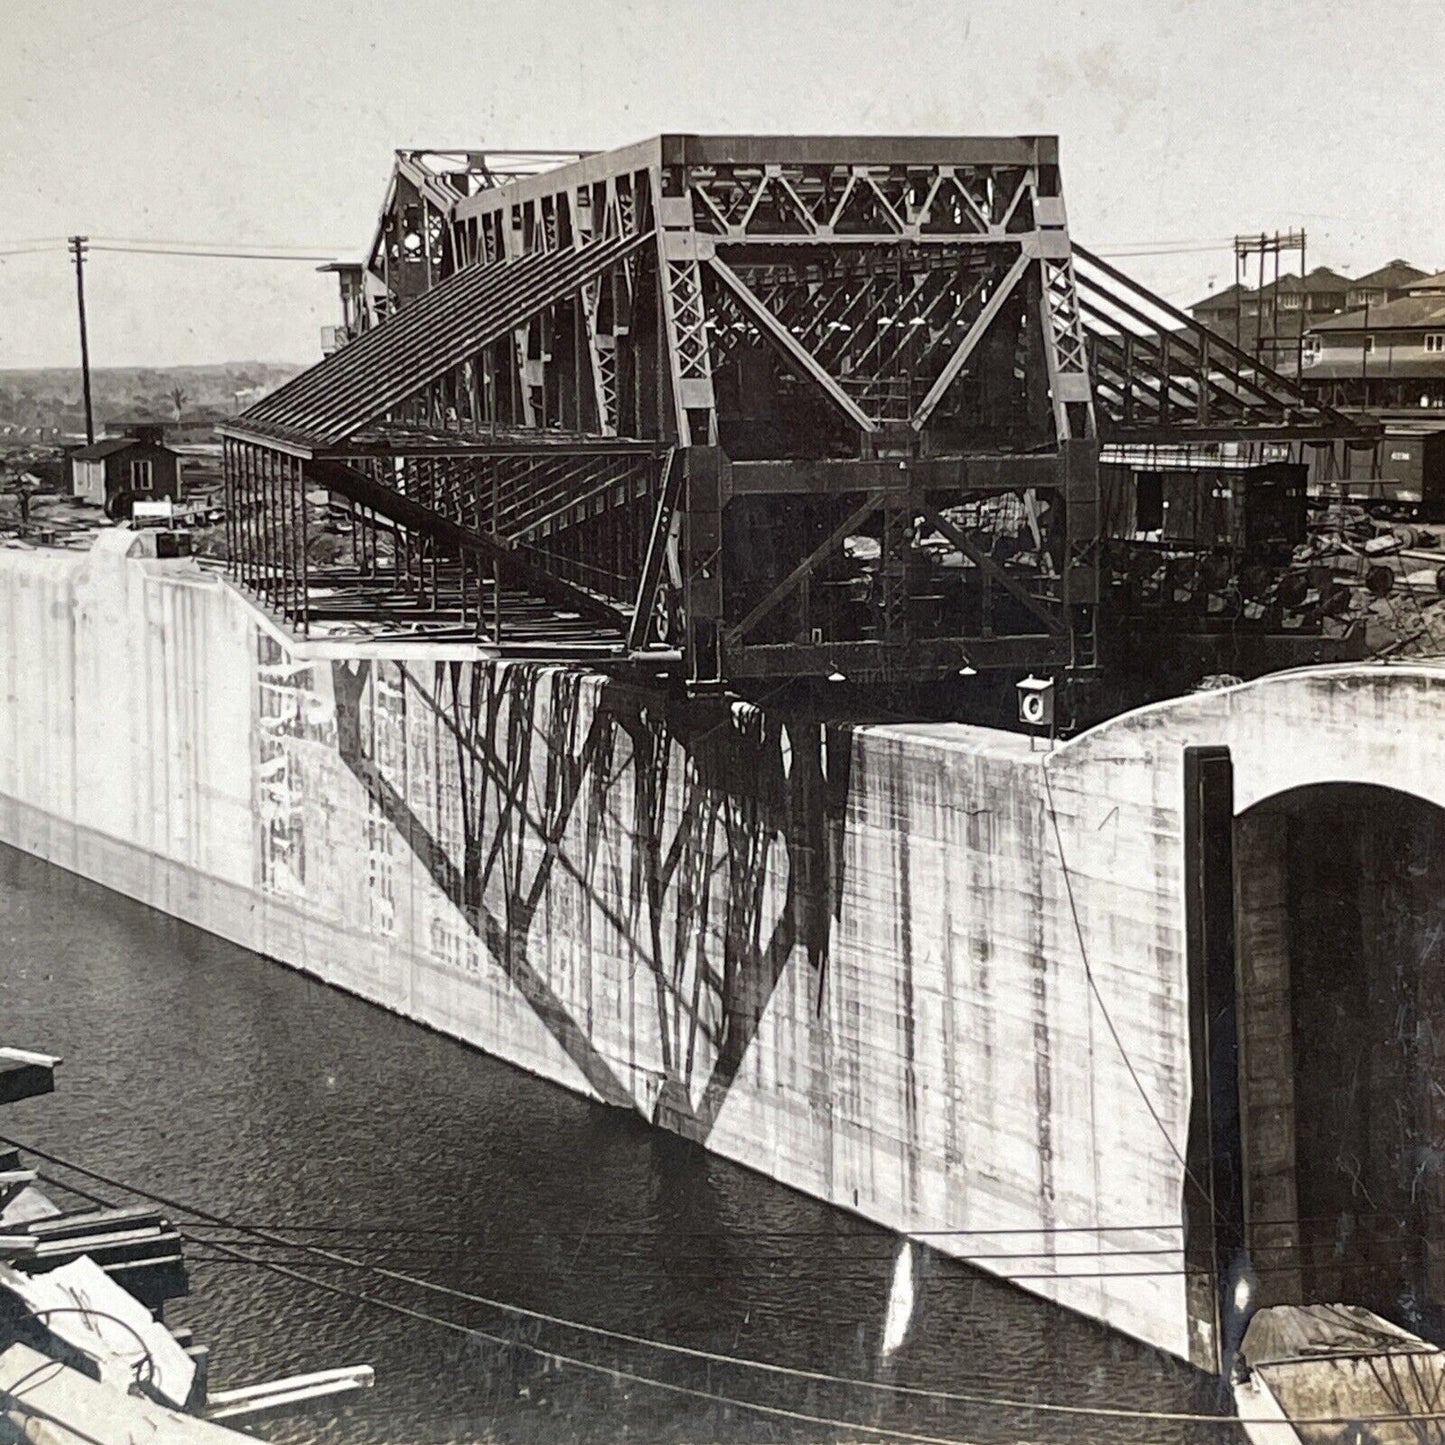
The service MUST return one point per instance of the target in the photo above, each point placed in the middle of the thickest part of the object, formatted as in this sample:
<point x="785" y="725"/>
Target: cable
<point x="211" y="255"/>
<point x="1361" y="1258"/>
<point x="332" y="1261"/>
<point x="31" y="251"/>
<point x="755" y="1258"/>
<point x="618" y="1335"/>
<point x="614" y="1373"/>
<point x="883" y="1235"/>
<point x="851" y="1237"/>
<point x="1170" y="251"/>
<point x="149" y="1360"/>
<point x="72" y="1189"/>
<point x="204" y="245"/>
<point x="1094" y="987"/>
<point x="1092" y="1411"/>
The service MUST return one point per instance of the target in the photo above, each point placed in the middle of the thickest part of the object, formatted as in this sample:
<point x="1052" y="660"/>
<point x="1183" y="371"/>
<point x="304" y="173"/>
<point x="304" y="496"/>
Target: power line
<point x="1369" y="1253"/>
<point x="711" y="1357"/>
<point x="281" y="251"/>
<point x="613" y="1372"/>
<point x="216" y="245"/>
<point x="880" y="1233"/>
<point x="785" y="1255"/>
<point x="1169" y="250"/>
<point x="208" y="255"/>
<point x="325" y="1260"/>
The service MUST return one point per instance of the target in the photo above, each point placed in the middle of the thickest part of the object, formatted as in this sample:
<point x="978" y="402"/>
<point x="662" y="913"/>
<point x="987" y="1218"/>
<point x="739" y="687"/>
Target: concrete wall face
<point x="854" y="961"/>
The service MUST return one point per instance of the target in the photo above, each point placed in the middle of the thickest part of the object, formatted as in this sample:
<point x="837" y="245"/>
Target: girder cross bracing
<point x="757" y="407"/>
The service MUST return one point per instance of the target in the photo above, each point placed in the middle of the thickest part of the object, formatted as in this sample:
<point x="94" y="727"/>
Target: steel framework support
<point x="761" y="403"/>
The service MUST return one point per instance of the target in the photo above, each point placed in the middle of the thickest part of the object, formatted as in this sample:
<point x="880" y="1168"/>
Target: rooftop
<point x="1408" y="313"/>
<point x="1392" y="276"/>
<point x="98" y="451"/>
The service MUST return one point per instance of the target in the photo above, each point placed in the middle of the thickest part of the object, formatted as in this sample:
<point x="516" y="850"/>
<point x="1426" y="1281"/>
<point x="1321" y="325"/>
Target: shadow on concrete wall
<point x="694" y="796"/>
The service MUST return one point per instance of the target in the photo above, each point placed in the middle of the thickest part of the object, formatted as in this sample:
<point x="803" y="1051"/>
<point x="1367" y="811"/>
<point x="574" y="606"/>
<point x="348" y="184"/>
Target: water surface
<point x="225" y="1081"/>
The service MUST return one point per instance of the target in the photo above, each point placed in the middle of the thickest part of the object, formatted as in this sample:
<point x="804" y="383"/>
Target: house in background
<point x="1387" y="357"/>
<point x="1272" y="318"/>
<point x="138" y="464"/>
<point x="1389" y="283"/>
<point x="1269" y="321"/>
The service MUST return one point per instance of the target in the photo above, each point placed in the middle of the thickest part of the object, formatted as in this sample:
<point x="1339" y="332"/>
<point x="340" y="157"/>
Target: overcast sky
<point x="271" y="122"/>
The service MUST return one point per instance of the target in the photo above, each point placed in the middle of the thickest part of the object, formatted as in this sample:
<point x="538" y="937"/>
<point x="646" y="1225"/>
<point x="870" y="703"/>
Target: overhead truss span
<point x="746" y="407"/>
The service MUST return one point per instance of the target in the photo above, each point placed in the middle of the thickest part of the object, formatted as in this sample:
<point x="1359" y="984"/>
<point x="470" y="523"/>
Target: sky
<point x="271" y="123"/>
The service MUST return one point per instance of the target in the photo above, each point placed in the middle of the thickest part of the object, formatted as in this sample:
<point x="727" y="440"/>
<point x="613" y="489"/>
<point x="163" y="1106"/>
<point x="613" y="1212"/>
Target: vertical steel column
<point x="496" y="572"/>
<point x="1215" y="1253"/>
<point x="228" y="500"/>
<point x="263" y="555"/>
<point x="280" y="530"/>
<point x="702" y="572"/>
<point x="305" y="597"/>
<point x="293" y="524"/>
<point x="287" y="501"/>
<point x="684" y="310"/>
<point x="248" y="544"/>
<point x="1059" y="315"/>
<point x="268" y="531"/>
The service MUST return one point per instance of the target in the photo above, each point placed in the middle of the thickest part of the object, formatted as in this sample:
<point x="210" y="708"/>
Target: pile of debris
<point x="1387" y="578"/>
<point x="85" y="1354"/>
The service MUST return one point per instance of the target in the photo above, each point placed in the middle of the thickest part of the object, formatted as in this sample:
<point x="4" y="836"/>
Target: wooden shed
<point x="137" y="465"/>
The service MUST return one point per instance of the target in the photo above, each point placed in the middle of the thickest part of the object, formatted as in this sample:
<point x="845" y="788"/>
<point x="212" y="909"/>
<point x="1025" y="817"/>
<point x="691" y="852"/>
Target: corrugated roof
<point x="1433" y="285"/>
<point x="1408" y="313"/>
<point x="1377" y="366"/>
<point x="479" y="305"/>
<point x="98" y="451"/>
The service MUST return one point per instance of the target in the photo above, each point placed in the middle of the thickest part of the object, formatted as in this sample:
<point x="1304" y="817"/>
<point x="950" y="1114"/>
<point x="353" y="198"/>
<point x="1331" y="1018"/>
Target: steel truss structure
<point x="756" y="407"/>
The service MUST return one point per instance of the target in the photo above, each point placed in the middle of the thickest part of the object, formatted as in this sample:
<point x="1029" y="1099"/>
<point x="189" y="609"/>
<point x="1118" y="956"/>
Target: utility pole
<point x="77" y="251"/>
<point x="1264" y="246"/>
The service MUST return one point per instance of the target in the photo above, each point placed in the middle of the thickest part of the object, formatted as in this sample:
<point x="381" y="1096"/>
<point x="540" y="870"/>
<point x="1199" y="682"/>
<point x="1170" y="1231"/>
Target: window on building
<point x="1369" y="346"/>
<point x="1435" y="341"/>
<point x="140" y="476"/>
<point x="1310" y="348"/>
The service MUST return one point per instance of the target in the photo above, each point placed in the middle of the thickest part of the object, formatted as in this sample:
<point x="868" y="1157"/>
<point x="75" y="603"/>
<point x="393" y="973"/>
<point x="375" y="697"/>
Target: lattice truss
<point x="567" y="338"/>
<point x="865" y="290"/>
<point x="900" y="292"/>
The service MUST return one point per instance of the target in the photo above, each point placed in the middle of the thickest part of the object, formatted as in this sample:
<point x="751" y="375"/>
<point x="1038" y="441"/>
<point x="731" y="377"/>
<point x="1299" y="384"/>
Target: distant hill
<point x="43" y="399"/>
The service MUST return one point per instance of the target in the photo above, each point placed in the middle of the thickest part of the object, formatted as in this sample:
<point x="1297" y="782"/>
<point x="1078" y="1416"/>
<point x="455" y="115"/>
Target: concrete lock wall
<point x="854" y="960"/>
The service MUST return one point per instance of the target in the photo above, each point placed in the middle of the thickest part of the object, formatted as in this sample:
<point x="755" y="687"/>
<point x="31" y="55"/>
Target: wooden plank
<point x="294" y="1390"/>
<point x="55" y="1405"/>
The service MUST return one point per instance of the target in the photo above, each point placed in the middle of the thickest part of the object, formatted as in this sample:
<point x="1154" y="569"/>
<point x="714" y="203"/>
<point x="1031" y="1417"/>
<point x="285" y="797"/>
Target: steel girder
<point x="859" y="382"/>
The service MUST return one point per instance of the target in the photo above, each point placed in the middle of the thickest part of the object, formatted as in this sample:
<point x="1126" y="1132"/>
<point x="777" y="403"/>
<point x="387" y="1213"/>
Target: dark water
<point x="228" y="1082"/>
